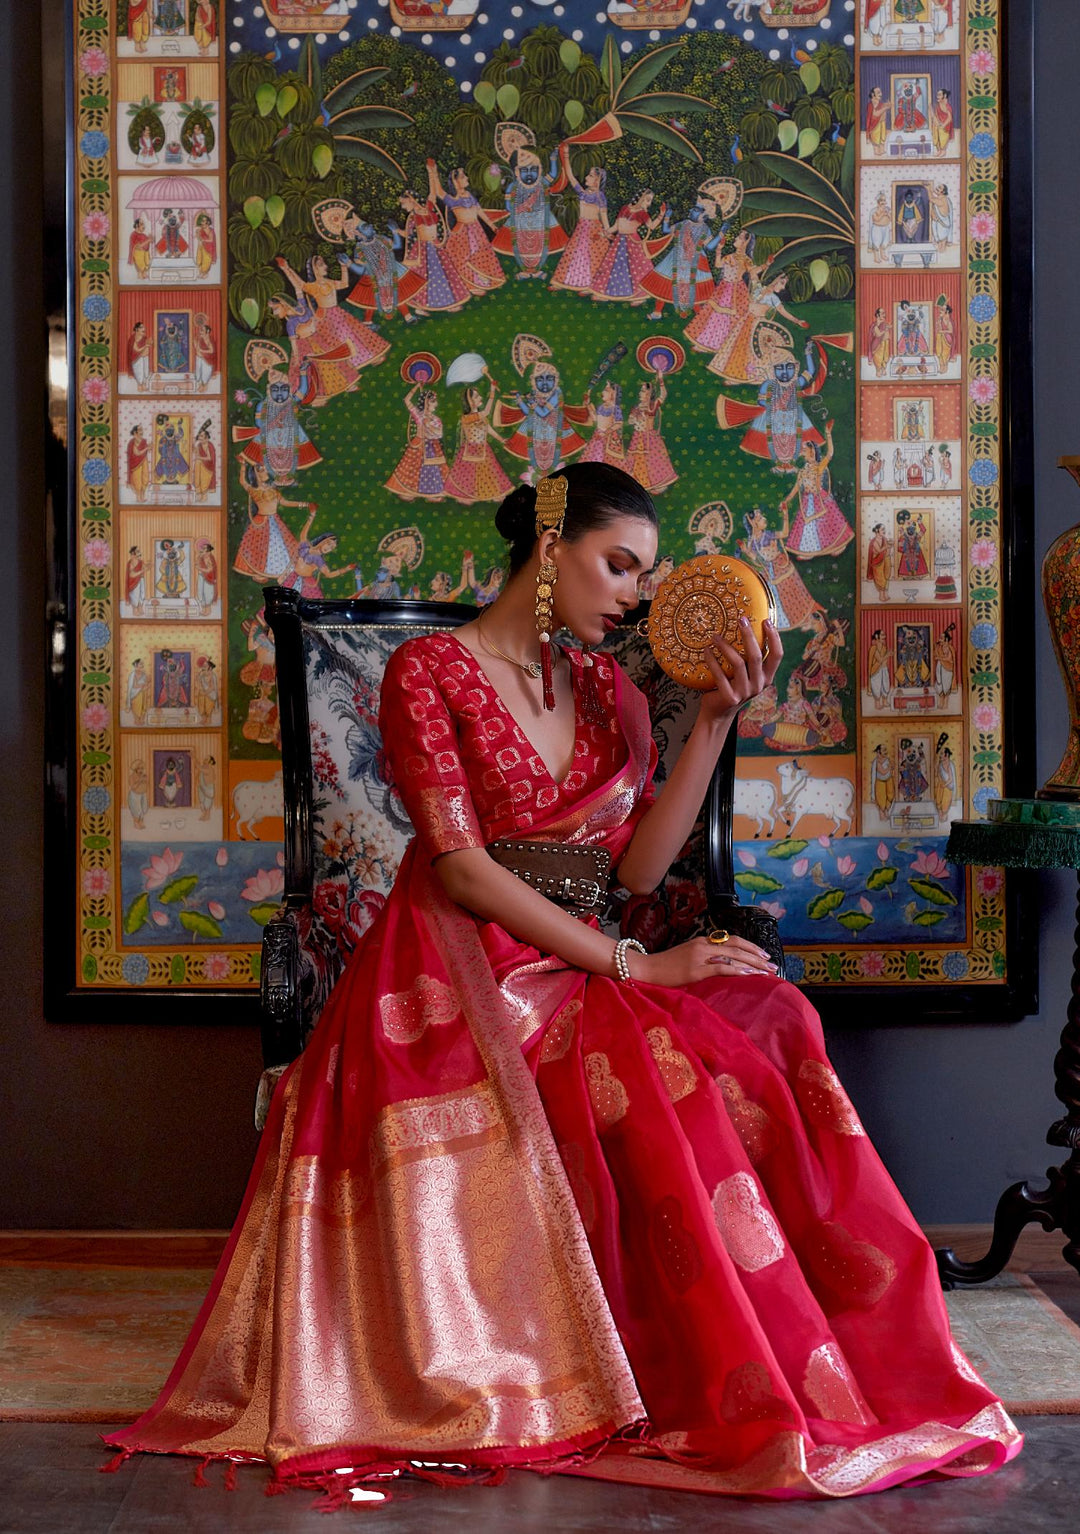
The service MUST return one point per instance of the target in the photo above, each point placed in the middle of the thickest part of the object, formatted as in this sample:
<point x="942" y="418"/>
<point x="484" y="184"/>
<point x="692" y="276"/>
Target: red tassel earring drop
<point x="550" y="512"/>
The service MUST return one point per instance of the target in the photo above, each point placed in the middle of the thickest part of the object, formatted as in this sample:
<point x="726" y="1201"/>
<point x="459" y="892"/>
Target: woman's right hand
<point x="699" y="959"/>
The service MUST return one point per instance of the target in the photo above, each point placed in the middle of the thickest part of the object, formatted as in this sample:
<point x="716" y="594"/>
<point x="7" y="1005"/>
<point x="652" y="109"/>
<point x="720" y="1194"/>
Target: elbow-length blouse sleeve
<point x="421" y="746"/>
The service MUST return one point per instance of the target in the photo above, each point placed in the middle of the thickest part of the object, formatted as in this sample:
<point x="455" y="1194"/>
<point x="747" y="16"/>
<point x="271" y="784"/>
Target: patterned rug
<point x="95" y="1344"/>
<point x="89" y="1344"/>
<point x="1022" y="1344"/>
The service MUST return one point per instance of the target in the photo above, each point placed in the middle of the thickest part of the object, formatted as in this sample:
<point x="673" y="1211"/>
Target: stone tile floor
<point x="49" y="1484"/>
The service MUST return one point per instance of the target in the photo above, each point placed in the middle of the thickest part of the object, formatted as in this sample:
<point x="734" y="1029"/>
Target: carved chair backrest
<point x="345" y="828"/>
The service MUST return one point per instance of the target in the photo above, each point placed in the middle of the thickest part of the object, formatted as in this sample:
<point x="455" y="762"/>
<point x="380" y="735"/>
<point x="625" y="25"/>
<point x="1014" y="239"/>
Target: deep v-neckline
<point x="559" y="783"/>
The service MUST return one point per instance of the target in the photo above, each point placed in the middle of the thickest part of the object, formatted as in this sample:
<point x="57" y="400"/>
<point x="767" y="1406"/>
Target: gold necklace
<point x="531" y="668"/>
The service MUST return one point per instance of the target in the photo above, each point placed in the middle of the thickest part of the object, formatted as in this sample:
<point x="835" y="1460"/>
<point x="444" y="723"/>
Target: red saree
<point x="508" y="1213"/>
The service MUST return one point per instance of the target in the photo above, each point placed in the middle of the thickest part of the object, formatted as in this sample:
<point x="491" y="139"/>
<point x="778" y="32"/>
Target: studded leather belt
<point x="574" y="877"/>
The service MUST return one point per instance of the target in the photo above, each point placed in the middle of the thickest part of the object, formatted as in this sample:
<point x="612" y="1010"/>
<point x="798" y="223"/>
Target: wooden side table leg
<point x="1058" y="1206"/>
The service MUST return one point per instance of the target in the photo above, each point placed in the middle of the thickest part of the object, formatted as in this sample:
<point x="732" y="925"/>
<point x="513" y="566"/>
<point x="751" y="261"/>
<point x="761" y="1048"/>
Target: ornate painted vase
<point x="1061" y="598"/>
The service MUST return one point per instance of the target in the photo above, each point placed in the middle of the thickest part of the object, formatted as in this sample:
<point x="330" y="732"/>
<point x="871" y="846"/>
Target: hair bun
<point x="516" y="517"/>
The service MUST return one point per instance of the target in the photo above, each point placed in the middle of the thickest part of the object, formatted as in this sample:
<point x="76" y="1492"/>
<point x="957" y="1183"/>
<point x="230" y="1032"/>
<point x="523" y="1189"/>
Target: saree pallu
<point x="505" y="1212"/>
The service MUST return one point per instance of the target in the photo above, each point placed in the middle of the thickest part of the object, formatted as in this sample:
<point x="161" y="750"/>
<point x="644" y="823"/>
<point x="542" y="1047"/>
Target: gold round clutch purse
<point x="705" y="596"/>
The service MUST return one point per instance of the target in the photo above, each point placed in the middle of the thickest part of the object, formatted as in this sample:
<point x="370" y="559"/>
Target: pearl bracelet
<point x="622" y="968"/>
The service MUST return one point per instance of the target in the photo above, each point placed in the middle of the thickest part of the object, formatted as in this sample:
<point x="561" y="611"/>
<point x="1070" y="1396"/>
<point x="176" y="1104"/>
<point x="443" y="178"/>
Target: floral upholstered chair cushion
<point x="359" y="829"/>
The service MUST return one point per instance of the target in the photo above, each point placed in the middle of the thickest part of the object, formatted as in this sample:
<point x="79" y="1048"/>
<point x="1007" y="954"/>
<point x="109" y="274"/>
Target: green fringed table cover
<point x="1019" y="833"/>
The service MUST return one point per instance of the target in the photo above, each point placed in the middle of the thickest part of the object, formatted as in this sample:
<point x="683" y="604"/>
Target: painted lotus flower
<point x="216" y="966"/>
<point x="983" y="226"/>
<point x="983" y="390"/>
<point x="981" y="62"/>
<point x="161" y="867"/>
<point x="747" y="859"/>
<point x="983" y="553"/>
<point x="931" y="865"/>
<point x="93" y="61"/>
<point x="96" y="226"/>
<point x="160" y="918"/>
<point x="95" y="391"/>
<point x="985" y="717"/>
<point x="96" y="553"/>
<point x="222" y="857"/>
<point x="799" y="867"/>
<point x="989" y="881"/>
<point x="845" y="866"/>
<point x="96" y="882"/>
<point x="95" y="717"/>
<point x="263" y="885"/>
<point x="872" y="963"/>
<point x="216" y="909"/>
<point x="773" y="907"/>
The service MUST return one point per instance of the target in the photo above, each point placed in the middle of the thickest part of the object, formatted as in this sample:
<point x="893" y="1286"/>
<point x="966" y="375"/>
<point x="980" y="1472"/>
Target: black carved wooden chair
<point x="345" y="829"/>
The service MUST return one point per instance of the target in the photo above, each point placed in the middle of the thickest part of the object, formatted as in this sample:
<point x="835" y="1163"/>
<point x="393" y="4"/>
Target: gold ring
<point x="719" y="935"/>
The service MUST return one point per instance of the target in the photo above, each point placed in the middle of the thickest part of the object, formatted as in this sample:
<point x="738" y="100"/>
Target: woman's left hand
<point x="750" y="673"/>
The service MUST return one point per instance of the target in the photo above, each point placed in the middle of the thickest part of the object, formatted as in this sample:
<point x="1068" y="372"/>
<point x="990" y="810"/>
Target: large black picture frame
<point x="847" y="1005"/>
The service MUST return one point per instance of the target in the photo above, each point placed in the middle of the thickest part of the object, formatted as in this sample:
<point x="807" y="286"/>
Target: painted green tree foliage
<point x="282" y="163"/>
<point x="795" y="154"/>
<point x="408" y="81"/>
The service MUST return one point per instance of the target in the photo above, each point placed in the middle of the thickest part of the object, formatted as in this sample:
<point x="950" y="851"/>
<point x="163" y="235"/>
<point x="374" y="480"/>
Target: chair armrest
<point x="749" y="922"/>
<point x="279" y="990"/>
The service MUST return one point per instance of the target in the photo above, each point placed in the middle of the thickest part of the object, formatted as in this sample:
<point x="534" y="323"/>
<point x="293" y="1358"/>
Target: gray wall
<point x="150" y="1126"/>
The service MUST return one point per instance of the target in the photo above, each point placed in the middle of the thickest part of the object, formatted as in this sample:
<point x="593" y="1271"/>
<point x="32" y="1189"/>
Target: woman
<point x="626" y="261"/>
<point x="310" y="566"/>
<point x="795" y="606"/>
<point x="444" y="289"/>
<point x="337" y="343"/>
<point x="648" y="459"/>
<point x="820" y="527"/>
<point x="712" y="323"/>
<point x="737" y="361"/>
<point x="531" y="1198"/>
<point x="468" y="248"/>
<point x="585" y="251"/>
<point x="476" y="474"/>
<point x="606" y="444"/>
<point x="421" y="470"/>
<point x="268" y="548"/>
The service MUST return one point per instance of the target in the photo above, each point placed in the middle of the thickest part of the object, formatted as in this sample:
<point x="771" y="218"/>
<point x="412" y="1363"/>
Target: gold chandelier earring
<point x="550" y="514"/>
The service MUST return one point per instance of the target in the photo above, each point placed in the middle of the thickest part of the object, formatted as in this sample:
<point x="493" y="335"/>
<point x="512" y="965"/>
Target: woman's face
<point x="592" y="178"/>
<point x="608" y="394"/>
<point x="319" y="266"/>
<point x="473" y="398"/>
<point x="599" y="575"/>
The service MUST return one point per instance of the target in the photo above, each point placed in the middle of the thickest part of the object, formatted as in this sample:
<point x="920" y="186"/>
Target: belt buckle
<point x="589" y="892"/>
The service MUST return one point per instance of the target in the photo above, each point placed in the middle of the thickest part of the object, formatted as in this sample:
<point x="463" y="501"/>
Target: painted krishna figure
<point x="533" y="1198"/>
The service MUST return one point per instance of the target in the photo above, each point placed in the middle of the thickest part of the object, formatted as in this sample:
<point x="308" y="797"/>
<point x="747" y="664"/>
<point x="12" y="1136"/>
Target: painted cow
<point x="256" y="799"/>
<point x="802" y="794"/>
<point x="755" y="798"/>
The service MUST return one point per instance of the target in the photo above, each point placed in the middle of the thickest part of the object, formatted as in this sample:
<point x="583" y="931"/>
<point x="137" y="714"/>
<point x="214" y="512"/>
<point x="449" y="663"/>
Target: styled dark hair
<point x="596" y="493"/>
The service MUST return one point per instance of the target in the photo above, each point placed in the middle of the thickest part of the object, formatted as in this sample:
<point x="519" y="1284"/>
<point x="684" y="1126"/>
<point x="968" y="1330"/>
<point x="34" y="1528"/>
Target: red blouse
<point x="466" y="772"/>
